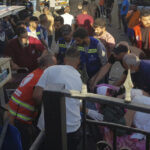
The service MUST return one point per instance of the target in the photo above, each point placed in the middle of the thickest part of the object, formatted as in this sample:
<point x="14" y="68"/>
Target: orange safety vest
<point x="21" y="104"/>
<point x="138" y="36"/>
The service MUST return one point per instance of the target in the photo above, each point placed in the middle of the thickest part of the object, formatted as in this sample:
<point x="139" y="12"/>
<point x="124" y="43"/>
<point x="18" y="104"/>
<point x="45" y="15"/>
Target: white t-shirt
<point x="141" y="120"/>
<point x="68" y="19"/>
<point x="70" y="77"/>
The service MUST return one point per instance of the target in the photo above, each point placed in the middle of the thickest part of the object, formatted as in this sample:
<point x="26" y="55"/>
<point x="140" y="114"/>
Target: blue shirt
<point x="141" y="79"/>
<point x="125" y="3"/>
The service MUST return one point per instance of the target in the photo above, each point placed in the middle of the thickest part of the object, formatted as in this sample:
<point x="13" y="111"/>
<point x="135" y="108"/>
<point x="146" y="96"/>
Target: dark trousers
<point x="28" y="133"/>
<point x="124" y="22"/>
<point x="73" y="140"/>
<point x="50" y="38"/>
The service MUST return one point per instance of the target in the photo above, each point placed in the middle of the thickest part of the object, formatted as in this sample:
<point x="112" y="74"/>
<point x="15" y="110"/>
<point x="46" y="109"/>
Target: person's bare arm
<point x="103" y="71"/>
<point x="37" y="95"/>
<point x="129" y="117"/>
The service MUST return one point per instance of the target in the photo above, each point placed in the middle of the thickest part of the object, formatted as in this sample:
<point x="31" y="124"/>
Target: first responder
<point x="21" y="106"/>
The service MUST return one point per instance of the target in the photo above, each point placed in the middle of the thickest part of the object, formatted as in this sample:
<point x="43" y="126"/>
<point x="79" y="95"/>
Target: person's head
<point x="67" y="9"/>
<point x="121" y="50"/>
<point x="72" y="57"/>
<point x="47" y="60"/>
<point x="46" y="10"/>
<point x="22" y="36"/>
<point x="33" y="22"/>
<point x="84" y="10"/>
<point x="145" y="18"/>
<point x="132" y="62"/>
<point x="66" y="32"/>
<point x="21" y="24"/>
<point x="100" y="26"/>
<point x="43" y="19"/>
<point x="58" y="22"/>
<point x="134" y="7"/>
<point x="81" y="37"/>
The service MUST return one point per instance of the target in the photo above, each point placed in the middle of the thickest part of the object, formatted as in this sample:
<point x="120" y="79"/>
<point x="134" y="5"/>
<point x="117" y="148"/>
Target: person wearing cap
<point x="119" y="52"/>
<point x="92" y="52"/>
<point x="105" y="37"/>
<point x="64" y="43"/>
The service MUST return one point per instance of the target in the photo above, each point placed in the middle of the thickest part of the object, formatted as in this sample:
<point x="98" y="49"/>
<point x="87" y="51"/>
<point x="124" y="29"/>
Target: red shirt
<point x="85" y="20"/>
<point x="25" y="56"/>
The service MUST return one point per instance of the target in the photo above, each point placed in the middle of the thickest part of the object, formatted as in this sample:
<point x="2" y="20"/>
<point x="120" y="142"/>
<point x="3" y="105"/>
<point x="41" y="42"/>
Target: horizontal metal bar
<point x="38" y="141"/>
<point x="114" y="125"/>
<point x="100" y="99"/>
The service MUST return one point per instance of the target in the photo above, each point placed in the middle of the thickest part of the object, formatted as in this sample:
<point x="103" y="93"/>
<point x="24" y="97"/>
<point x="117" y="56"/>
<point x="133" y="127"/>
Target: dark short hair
<point x="72" y="52"/>
<point x="33" y="18"/>
<point x="144" y="13"/>
<point x="100" y="22"/>
<point x="21" y="31"/>
<point x="19" y="23"/>
<point x="42" y="17"/>
<point x="80" y="33"/>
<point x="60" y="19"/>
<point x="65" y="30"/>
<point x="85" y="8"/>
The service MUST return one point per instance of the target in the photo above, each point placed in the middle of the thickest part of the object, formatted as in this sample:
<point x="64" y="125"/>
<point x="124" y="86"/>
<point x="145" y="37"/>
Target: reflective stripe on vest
<point x="62" y="46"/>
<point x="25" y="105"/>
<point x="80" y="48"/>
<point x="20" y="116"/>
<point x="38" y="33"/>
<point x="92" y="50"/>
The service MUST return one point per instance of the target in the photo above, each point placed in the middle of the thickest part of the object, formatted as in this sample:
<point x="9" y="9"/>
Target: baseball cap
<point x="66" y="29"/>
<point x="121" y="47"/>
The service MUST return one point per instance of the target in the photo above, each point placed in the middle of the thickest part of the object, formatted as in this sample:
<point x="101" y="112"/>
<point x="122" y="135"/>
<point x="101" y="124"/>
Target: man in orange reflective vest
<point x="142" y="33"/>
<point x="21" y="106"/>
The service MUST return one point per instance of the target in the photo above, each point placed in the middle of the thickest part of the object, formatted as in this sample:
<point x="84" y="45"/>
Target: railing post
<point x="84" y="124"/>
<point x="147" y="142"/>
<point x="114" y="139"/>
<point x="55" y="121"/>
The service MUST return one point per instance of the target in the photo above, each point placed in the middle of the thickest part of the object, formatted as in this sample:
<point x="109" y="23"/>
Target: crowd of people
<point x="60" y="49"/>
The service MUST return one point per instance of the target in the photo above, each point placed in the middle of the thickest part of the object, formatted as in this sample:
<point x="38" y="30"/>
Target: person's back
<point x="86" y="21"/>
<point x="68" y="18"/>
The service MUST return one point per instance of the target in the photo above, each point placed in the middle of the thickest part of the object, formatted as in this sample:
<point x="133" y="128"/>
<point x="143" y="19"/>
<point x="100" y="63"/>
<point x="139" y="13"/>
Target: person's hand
<point x="95" y="115"/>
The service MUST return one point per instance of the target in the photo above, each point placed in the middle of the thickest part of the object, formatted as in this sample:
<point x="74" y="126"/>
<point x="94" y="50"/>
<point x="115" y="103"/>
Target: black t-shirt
<point x="134" y="50"/>
<point x="109" y="3"/>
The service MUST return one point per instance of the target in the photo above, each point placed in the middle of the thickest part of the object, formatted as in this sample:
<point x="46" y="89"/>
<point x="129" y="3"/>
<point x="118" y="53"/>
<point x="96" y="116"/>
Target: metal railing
<point x="55" y="121"/>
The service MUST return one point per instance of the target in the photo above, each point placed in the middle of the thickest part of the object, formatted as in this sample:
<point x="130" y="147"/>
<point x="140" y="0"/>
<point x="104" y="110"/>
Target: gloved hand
<point x="95" y="115"/>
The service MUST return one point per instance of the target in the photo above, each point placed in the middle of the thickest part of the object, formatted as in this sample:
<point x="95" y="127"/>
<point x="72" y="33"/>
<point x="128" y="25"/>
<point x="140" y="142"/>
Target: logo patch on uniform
<point x="26" y="80"/>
